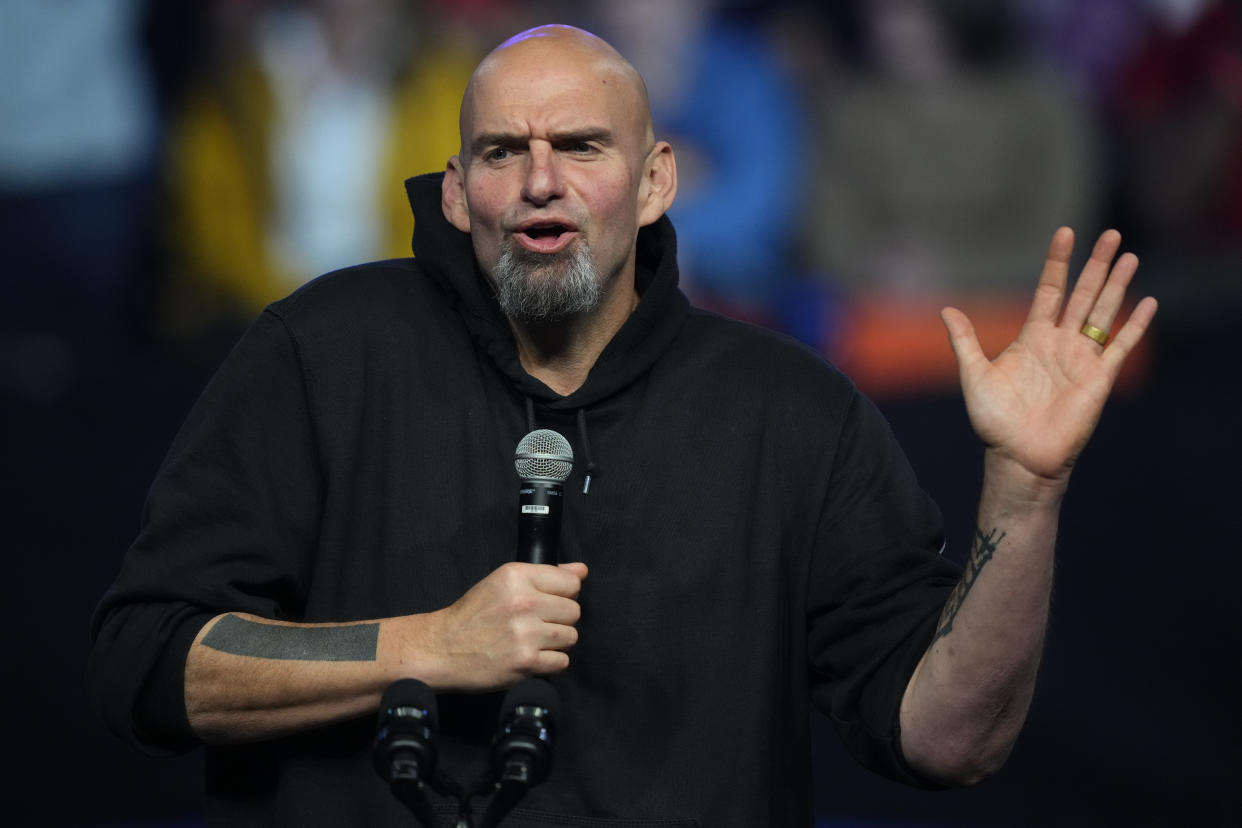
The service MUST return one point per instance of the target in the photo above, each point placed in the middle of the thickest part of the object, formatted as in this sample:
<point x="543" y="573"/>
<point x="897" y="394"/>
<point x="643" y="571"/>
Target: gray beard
<point x="538" y="287"/>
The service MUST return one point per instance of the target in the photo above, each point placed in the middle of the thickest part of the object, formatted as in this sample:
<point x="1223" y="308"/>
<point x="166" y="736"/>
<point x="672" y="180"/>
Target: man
<point x="338" y="511"/>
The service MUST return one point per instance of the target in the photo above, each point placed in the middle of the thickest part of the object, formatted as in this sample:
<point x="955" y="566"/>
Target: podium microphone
<point x="543" y="461"/>
<point x="522" y="748"/>
<point x="405" y="750"/>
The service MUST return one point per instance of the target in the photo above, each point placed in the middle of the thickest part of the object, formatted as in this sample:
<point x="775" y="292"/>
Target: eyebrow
<point x="597" y="135"/>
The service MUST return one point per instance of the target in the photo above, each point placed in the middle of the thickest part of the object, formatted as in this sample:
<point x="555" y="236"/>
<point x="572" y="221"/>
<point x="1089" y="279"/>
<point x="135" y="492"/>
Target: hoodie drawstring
<point x="590" y="468"/>
<point x="586" y="451"/>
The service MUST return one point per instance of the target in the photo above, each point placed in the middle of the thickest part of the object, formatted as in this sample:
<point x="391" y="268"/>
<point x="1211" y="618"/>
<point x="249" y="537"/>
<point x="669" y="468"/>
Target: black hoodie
<point x="756" y="540"/>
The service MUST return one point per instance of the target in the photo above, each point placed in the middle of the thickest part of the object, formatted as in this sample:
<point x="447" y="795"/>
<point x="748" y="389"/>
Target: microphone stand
<point x="507" y="792"/>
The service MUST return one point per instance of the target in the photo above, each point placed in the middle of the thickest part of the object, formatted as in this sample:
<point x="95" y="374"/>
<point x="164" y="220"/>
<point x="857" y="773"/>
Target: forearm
<point x="968" y="697"/>
<point x="248" y="678"/>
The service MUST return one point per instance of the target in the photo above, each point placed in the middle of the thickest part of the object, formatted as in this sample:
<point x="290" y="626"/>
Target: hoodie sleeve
<point x="230" y="524"/>
<point x="877" y="585"/>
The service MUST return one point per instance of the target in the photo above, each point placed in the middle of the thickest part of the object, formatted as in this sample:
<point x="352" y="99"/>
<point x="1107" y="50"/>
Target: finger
<point x="550" y="661"/>
<point x="1108" y="305"/>
<point x="535" y="635"/>
<point x="556" y="580"/>
<point x="1131" y="332"/>
<point x="1091" y="280"/>
<point x="554" y="609"/>
<point x="551" y="657"/>
<point x="1050" y="292"/>
<point x="963" y="340"/>
<point x="560" y="636"/>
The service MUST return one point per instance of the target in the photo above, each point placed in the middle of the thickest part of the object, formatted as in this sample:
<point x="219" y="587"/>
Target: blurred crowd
<point x="171" y="167"/>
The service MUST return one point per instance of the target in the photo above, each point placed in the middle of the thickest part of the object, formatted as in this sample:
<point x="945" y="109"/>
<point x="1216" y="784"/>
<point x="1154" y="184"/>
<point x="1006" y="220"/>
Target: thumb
<point x="962" y="339"/>
<point x="577" y="567"/>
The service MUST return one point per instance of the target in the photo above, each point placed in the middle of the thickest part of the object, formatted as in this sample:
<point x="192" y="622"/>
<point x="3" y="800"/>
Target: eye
<point x="496" y="154"/>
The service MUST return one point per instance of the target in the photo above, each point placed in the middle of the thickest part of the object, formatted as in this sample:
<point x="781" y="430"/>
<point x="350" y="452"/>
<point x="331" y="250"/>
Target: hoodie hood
<point x="446" y="255"/>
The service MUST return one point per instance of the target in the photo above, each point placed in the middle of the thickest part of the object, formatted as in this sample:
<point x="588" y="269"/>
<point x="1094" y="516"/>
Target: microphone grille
<point x="531" y="692"/>
<point x="544" y="455"/>
<point x="405" y="695"/>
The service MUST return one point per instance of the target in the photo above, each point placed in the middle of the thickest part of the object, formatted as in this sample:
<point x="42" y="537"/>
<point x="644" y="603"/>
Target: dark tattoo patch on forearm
<point x="981" y="552"/>
<point x="237" y="636"/>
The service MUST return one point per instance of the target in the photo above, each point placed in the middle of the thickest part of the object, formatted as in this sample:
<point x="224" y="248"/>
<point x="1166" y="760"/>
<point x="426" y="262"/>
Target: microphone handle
<point x="539" y="521"/>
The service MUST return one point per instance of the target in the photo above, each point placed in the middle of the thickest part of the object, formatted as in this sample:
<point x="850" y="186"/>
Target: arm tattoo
<point x="231" y="634"/>
<point x="981" y="552"/>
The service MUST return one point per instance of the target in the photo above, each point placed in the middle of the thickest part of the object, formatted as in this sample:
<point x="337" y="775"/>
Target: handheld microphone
<point x="543" y="461"/>
<point x="405" y="751"/>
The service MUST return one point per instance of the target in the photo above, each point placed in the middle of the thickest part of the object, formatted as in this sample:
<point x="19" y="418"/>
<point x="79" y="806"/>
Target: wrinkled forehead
<point x="554" y="77"/>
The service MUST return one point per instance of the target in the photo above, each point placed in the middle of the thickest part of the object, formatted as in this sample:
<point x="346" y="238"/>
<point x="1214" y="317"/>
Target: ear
<point x="658" y="187"/>
<point x="453" y="195"/>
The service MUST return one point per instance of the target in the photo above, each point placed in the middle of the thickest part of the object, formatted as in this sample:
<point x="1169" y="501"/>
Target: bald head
<point x="564" y="50"/>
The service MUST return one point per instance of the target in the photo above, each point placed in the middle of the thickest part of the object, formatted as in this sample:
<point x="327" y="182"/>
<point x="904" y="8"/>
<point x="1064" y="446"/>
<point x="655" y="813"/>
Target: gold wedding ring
<point x="1092" y="332"/>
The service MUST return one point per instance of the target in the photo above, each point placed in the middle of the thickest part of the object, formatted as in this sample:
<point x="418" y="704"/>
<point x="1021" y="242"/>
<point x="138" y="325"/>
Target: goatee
<point x="540" y="287"/>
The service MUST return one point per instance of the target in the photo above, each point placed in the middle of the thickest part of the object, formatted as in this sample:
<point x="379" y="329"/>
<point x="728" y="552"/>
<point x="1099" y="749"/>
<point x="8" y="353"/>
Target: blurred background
<point x="847" y="168"/>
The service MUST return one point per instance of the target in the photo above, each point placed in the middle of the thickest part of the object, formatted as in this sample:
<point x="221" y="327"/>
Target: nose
<point x="543" y="179"/>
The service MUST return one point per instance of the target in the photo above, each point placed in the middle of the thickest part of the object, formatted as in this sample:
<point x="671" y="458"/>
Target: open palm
<point x="1038" y="402"/>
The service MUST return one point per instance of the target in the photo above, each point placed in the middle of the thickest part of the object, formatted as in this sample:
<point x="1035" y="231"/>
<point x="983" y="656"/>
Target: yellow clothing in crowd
<point x="222" y="193"/>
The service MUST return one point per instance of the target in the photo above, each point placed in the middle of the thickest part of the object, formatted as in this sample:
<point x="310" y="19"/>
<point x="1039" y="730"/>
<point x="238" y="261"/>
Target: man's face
<point x="551" y="183"/>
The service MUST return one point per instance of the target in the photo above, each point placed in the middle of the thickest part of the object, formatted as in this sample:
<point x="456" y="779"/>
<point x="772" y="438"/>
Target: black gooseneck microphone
<point x="522" y="748"/>
<point x="543" y="461"/>
<point x="521" y="752"/>
<point x="405" y="750"/>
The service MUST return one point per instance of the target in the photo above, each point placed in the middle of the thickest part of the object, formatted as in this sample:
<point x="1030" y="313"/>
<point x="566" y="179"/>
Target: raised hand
<point x="1038" y="402"/>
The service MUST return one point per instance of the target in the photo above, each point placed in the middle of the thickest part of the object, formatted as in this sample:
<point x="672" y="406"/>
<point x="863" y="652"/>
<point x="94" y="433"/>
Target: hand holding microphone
<point x="517" y="622"/>
<point x="520" y="620"/>
<point x="543" y="461"/>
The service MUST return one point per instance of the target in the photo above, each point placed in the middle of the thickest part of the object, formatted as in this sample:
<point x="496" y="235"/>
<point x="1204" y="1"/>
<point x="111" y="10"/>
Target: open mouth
<point x="544" y="231"/>
<point x="545" y="237"/>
